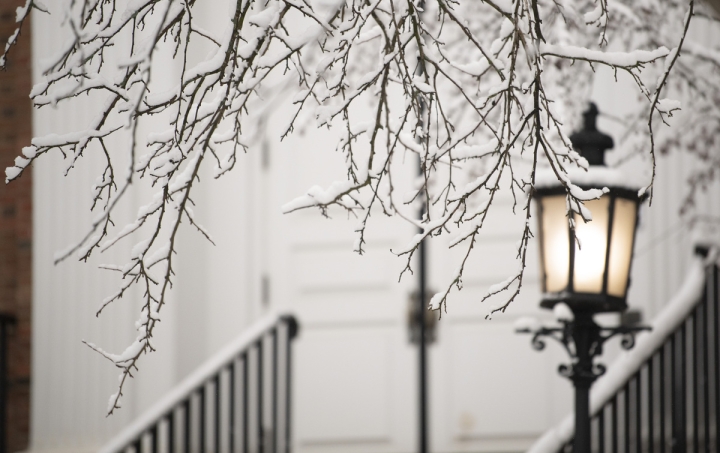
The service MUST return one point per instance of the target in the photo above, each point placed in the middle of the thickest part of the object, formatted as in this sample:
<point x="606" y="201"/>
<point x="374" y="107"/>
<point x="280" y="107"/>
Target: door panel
<point x="350" y="370"/>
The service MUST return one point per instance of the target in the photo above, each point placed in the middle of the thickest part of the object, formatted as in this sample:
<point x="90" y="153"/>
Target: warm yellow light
<point x="602" y="245"/>
<point x="556" y="243"/>
<point x="621" y="246"/>
<point x="591" y="247"/>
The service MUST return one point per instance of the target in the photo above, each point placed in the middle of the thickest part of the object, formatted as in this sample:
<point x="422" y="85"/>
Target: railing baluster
<point x="614" y="424"/>
<point x="663" y="393"/>
<point x="703" y="342"/>
<point x="137" y="445"/>
<point x="291" y="328"/>
<point x="216" y="422"/>
<point x="601" y="430"/>
<point x="695" y="376"/>
<point x="201" y="447"/>
<point x="705" y="375"/>
<point x="674" y="386"/>
<point x="716" y="347"/>
<point x="274" y="365"/>
<point x="231" y="407"/>
<point x="260" y="433"/>
<point x="171" y="431"/>
<point x="626" y="417"/>
<point x="154" y="439"/>
<point x="246" y="413"/>
<point x="682" y="404"/>
<point x="638" y="411"/>
<point x="187" y="426"/>
<point x="651" y="398"/>
<point x="677" y="402"/>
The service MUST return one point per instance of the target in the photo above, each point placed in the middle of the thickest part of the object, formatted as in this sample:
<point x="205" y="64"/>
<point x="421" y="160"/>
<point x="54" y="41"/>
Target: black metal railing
<point x="671" y="404"/>
<point x="5" y="322"/>
<point x="240" y="402"/>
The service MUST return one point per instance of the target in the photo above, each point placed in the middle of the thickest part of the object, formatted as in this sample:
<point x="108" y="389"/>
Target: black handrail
<point x="211" y="415"/>
<point x="672" y="403"/>
<point x="5" y="322"/>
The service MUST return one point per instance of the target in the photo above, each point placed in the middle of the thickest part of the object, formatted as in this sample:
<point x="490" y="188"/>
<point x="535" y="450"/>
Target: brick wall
<point x="16" y="225"/>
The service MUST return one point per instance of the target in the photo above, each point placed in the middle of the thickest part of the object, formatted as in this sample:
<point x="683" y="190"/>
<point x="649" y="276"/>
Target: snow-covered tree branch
<point x="483" y="93"/>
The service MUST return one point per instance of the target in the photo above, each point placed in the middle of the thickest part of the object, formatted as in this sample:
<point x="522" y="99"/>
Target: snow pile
<point x="527" y="324"/>
<point x="563" y="313"/>
<point x="595" y="176"/>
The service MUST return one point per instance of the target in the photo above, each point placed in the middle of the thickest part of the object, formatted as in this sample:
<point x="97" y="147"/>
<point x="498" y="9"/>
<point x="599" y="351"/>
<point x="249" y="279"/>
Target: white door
<point x="356" y="372"/>
<point x="490" y="390"/>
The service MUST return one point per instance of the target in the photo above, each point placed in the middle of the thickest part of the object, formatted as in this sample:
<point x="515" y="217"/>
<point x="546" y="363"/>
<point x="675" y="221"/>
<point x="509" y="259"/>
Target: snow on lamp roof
<point x="595" y="176"/>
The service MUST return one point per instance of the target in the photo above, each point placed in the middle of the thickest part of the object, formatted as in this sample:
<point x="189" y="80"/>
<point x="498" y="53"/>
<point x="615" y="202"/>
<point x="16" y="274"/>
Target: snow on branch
<point x="21" y="14"/>
<point x="480" y="94"/>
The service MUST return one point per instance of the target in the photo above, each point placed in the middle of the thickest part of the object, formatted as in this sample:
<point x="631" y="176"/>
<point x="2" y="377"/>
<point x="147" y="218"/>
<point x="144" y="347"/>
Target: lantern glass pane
<point x="621" y="246"/>
<point x="591" y="247"/>
<point x="556" y="243"/>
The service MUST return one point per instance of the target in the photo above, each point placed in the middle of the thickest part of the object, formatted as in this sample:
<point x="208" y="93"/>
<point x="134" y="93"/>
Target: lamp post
<point x="586" y="266"/>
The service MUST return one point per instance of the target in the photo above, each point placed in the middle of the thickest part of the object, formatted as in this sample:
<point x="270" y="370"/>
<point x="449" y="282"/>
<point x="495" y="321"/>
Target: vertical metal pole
<point x="583" y="330"/>
<point x="581" y="444"/>
<point x="422" y="298"/>
<point x="423" y="440"/>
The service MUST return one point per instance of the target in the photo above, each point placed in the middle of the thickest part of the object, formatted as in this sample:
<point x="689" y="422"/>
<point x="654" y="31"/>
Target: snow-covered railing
<point x="238" y="399"/>
<point x="663" y="395"/>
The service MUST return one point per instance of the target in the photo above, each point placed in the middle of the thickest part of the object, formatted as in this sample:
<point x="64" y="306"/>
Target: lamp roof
<point x="591" y="144"/>
<point x="589" y="141"/>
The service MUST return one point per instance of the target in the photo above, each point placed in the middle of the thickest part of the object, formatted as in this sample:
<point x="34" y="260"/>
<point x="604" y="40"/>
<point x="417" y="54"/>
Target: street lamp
<point x="586" y="265"/>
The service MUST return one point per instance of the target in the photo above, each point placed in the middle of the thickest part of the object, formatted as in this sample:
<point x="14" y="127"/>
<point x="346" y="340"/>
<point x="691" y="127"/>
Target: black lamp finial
<point x="590" y="142"/>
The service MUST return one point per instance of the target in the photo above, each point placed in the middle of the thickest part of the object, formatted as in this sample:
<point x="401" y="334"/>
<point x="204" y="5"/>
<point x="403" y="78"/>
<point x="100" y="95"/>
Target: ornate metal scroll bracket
<point x="582" y="339"/>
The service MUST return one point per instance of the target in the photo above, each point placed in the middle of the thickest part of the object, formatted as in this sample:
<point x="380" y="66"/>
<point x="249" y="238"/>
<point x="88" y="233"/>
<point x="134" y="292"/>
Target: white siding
<point x="356" y="372"/>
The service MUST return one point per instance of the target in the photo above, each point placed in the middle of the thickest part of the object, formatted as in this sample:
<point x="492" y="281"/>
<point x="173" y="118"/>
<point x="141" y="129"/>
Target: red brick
<point x="16" y="226"/>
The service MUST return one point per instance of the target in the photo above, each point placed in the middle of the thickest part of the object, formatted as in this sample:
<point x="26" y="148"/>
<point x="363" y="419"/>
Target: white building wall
<point x="356" y="375"/>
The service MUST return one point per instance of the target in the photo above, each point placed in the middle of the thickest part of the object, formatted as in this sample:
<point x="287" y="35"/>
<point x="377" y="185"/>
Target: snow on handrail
<point x="191" y="382"/>
<point x="630" y="361"/>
